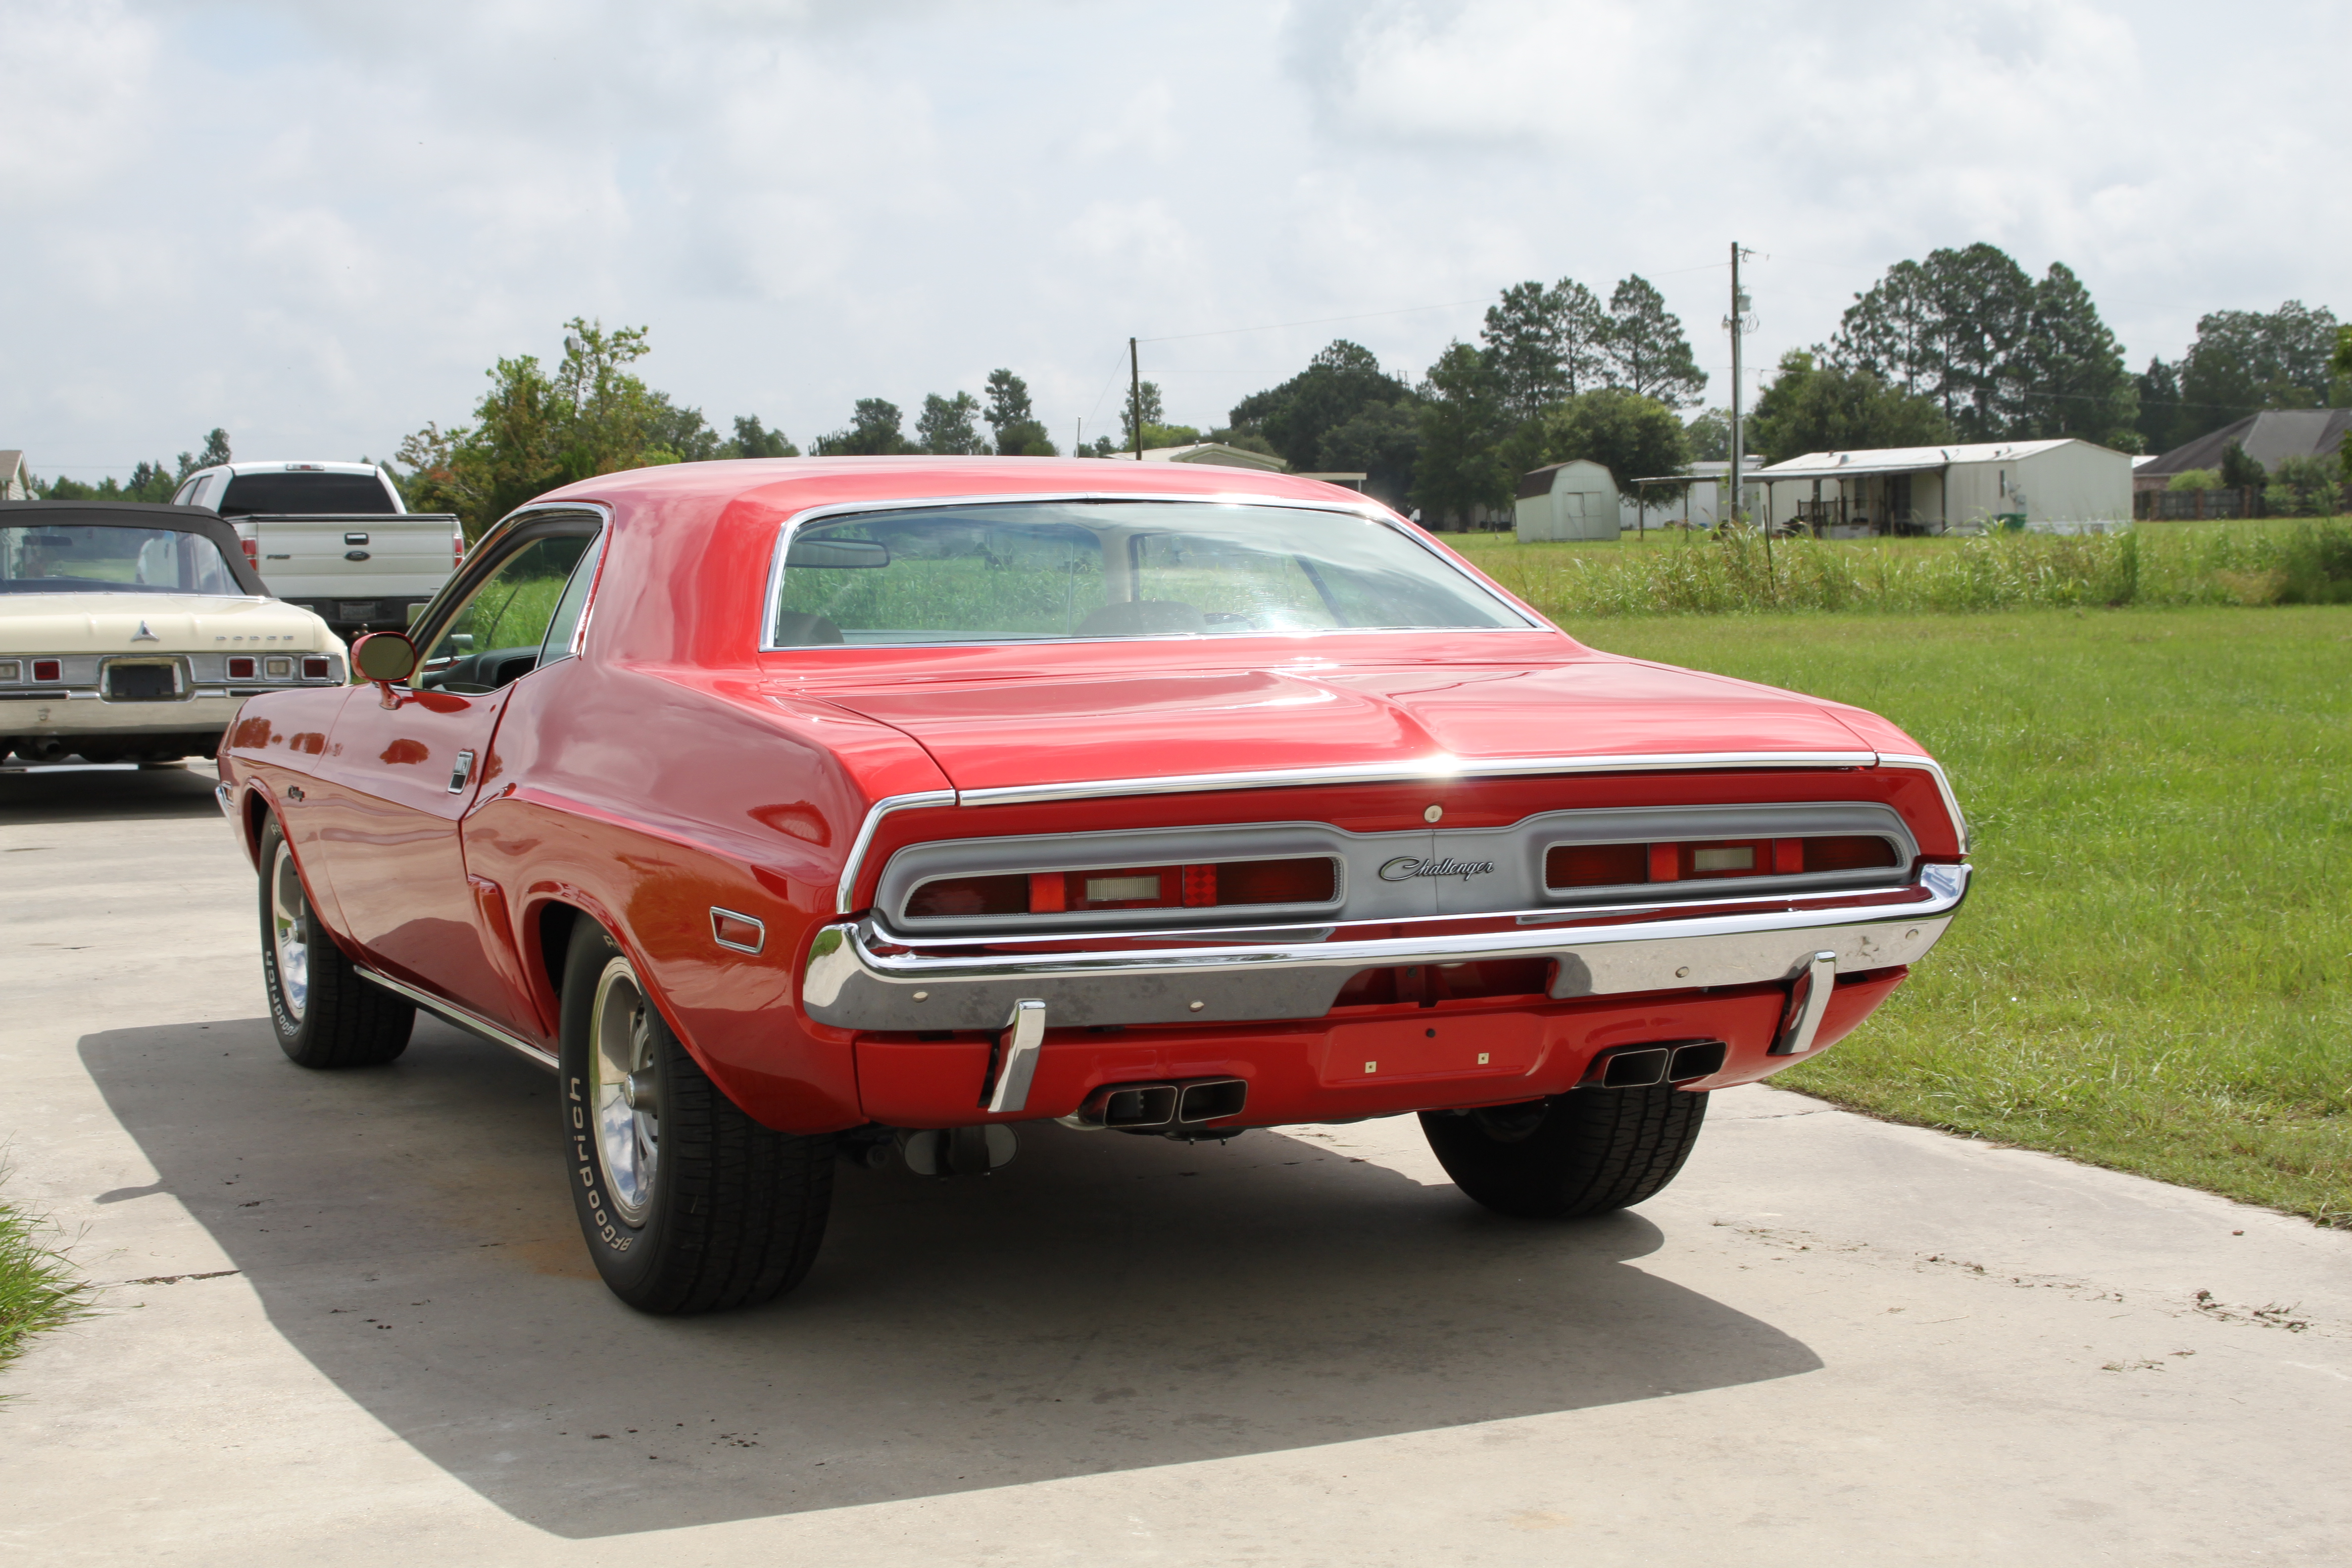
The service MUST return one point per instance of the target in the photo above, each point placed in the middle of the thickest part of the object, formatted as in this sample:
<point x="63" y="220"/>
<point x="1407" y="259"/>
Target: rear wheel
<point x="688" y="1204"/>
<point x="323" y="1012"/>
<point x="1582" y="1154"/>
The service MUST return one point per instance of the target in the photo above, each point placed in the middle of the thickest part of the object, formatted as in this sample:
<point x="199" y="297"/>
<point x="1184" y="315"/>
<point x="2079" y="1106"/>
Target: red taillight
<point x="317" y="668"/>
<point x="1307" y="880"/>
<point x="252" y="552"/>
<point x="240" y="670"/>
<point x="1855" y="852"/>
<point x="1597" y="864"/>
<point x="48" y="670"/>
<point x="1623" y="865"/>
<point x="457" y="551"/>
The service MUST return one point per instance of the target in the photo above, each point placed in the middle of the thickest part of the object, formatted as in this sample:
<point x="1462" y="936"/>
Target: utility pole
<point x="1135" y="397"/>
<point x="1736" y="322"/>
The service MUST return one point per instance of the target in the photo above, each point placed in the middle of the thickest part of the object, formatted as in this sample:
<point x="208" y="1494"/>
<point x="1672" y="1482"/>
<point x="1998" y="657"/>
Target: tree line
<point x="1962" y="346"/>
<point x="153" y="482"/>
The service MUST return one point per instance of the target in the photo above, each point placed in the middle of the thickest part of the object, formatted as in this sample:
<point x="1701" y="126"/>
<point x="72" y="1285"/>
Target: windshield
<point x="49" y="558"/>
<point x="1021" y="572"/>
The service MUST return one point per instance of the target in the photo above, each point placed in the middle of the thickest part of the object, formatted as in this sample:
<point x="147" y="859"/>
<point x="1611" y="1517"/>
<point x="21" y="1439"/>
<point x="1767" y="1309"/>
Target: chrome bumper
<point x="861" y="977"/>
<point x="82" y="711"/>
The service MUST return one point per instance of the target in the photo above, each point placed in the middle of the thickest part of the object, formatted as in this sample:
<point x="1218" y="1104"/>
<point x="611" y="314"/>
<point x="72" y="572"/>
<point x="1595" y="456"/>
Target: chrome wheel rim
<point x="620" y="1067"/>
<point x="289" y="932"/>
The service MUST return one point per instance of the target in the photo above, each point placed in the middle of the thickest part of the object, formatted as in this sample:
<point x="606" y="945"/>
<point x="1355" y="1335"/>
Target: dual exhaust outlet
<point x="1645" y="1066"/>
<point x="1159" y="1107"/>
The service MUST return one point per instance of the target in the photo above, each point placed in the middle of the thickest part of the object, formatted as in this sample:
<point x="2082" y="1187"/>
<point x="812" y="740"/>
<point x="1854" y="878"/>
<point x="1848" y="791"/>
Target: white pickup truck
<point x="335" y="538"/>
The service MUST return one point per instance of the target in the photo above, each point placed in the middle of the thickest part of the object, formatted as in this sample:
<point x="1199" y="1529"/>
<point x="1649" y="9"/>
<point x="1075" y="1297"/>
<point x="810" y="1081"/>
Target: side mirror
<point x="385" y="658"/>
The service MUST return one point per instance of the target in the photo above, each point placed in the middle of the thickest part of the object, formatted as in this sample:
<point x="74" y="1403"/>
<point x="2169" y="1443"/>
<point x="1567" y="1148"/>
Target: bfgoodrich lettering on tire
<point x="1580" y="1154"/>
<point x="686" y="1204"/>
<point x="323" y="1012"/>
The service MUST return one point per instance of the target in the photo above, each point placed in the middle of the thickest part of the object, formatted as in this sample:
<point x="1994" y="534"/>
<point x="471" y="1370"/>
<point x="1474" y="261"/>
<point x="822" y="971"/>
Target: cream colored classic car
<point x="132" y="633"/>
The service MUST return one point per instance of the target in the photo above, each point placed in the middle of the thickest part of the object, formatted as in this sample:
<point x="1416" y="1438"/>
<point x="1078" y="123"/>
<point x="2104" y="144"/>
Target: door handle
<point x="462" y="772"/>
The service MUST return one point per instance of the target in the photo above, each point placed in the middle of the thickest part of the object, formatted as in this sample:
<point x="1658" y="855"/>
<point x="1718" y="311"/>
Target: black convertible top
<point x="141" y="514"/>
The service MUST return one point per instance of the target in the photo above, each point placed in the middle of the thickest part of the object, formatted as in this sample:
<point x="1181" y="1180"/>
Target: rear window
<point x="1029" y="571"/>
<point x="54" y="558"/>
<point x="361" y="493"/>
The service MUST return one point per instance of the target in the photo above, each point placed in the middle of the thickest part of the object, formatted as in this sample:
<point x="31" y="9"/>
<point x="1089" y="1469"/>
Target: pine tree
<point x="2071" y="370"/>
<point x="1645" y="351"/>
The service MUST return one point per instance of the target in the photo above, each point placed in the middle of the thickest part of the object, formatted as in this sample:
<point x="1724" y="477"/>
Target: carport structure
<point x="2064" y="486"/>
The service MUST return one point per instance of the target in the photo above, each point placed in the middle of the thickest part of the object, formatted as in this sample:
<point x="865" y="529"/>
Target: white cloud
<point x="317" y="224"/>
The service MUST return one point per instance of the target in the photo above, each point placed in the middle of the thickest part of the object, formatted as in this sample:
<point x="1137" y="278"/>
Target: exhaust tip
<point x="1636" y="1069"/>
<point x="1126" y="1106"/>
<point x="1701" y="1058"/>
<point x="1139" y="1105"/>
<point x="1213" y="1099"/>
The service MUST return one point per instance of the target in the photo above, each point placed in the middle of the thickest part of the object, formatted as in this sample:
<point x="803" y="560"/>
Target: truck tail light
<point x="252" y="552"/>
<point x="1622" y="865"/>
<point x="240" y="668"/>
<point x="317" y="666"/>
<point x="1309" y="879"/>
<point x="457" y="551"/>
<point x="48" y="670"/>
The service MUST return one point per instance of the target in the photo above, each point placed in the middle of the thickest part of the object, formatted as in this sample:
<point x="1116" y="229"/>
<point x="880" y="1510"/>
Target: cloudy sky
<point x="316" y="224"/>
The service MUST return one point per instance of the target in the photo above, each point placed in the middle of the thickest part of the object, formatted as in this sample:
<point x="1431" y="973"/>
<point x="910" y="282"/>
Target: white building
<point x="16" y="479"/>
<point x="2064" y="485"/>
<point x="1575" y="500"/>
<point x="1216" y="454"/>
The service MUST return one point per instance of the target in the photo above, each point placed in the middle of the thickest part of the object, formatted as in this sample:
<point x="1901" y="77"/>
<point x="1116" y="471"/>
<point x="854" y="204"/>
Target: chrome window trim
<point x="488" y="548"/>
<point x="1371" y="511"/>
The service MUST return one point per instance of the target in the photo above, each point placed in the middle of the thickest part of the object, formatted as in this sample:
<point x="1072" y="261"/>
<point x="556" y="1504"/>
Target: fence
<point x="2185" y="506"/>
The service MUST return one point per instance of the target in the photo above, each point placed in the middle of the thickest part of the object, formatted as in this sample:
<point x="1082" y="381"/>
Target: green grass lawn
<point x="2151" y="971"/>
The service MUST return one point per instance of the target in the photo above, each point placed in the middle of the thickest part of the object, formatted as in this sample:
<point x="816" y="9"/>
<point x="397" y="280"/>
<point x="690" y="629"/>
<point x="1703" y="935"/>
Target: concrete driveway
<point x="348" y="1319"/>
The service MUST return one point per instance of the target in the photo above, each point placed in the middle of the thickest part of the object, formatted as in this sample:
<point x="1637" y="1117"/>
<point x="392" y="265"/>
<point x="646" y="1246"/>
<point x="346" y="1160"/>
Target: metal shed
<point x="1575" y="500"/>
<point x="2064" y="485"/>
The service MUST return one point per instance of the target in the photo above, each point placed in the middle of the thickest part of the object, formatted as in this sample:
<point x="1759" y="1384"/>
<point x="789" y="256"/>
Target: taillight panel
<point x="1574" y="867"/>
<point x="1233" y="874"/>
<point x="1236" y="884"/>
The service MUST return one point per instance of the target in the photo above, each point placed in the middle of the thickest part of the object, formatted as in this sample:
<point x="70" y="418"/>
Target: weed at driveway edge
<point x="38" y="1289"/>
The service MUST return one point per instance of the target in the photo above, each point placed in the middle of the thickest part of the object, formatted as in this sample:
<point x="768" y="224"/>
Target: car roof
<point x="293" y="466"/>
<point x="799" y="482"/>
<point x="692" y="545"/>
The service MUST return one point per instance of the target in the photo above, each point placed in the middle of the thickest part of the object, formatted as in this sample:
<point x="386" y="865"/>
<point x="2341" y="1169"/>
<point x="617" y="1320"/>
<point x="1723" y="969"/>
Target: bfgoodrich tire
<point x="322" y="1011"/>
<point x="688" y="1204"/>
<point x="1580" y="1154"/>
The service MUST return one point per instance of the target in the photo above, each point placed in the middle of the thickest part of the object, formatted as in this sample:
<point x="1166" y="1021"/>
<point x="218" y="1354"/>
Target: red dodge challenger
<point x="791" y="811"/>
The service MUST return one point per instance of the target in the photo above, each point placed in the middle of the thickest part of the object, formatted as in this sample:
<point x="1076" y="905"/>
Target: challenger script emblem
<point x="1405" y="867"/>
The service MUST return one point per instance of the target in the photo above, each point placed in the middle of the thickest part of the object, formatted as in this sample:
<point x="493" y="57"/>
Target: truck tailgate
<point x="353" y="557"/>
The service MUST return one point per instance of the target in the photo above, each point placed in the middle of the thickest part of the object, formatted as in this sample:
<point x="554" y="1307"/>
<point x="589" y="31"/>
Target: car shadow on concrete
<point x="1104" y="1304"/>
<point x="78" y="794"/>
